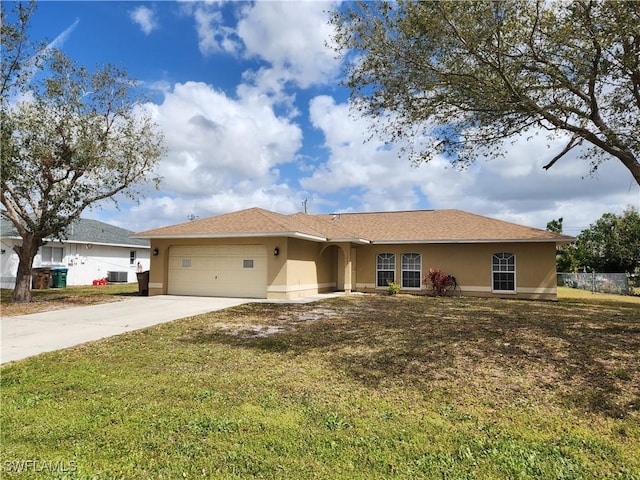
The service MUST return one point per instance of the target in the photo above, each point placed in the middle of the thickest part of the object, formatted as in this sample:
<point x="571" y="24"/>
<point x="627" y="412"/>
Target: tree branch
<point x="575" y="141"/>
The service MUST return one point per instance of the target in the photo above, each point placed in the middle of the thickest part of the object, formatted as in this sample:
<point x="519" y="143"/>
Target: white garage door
<point x="218" y="271"/>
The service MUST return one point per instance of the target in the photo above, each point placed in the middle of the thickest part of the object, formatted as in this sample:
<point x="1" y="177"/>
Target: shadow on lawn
<point x="507" y="351"/>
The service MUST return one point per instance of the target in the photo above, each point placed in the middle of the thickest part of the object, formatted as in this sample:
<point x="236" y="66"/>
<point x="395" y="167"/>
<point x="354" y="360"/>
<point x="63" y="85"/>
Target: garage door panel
<point x="218" y="270"/>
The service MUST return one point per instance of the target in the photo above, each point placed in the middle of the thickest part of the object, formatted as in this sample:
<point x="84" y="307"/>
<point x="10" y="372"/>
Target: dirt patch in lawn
<point x="515" y="352"/>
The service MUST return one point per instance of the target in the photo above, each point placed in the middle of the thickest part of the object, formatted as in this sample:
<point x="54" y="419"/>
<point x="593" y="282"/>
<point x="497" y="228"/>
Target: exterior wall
<point x="471" y="264"/>
<point x="8" y="264"/>
<point x="293" y="273"/>
<point x="276" y="265"/>
<point x="85" y="262"/>
<point x="327" y="268"/>
<point x="301" y="271"/>
<point x="305" y="268"/>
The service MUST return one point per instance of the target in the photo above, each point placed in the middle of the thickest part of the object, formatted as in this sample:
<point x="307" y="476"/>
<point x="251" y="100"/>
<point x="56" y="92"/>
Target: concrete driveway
<point x="29" y="335"/>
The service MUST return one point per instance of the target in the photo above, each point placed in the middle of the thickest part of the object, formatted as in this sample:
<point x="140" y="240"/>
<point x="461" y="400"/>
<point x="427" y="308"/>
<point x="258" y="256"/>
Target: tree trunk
<point x="634" y="166"/>
<point x="26" y="253"/>
<point x="632" y="163"/>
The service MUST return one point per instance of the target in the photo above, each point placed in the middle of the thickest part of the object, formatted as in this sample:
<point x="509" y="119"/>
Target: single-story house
<point x="257" y="253"/>
<point x="92" y="250"/>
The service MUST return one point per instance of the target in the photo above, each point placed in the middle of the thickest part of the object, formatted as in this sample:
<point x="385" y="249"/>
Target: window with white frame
<point x="132" y="257"/>
<point x="385" y="269"/>
<point x="504" y="272"/>
<point x="411" y="268"/>
<point x="51" y="255"/>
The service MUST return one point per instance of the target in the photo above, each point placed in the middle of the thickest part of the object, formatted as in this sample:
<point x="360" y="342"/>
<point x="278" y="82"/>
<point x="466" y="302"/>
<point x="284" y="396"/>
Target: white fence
<point x="617" y="283"/>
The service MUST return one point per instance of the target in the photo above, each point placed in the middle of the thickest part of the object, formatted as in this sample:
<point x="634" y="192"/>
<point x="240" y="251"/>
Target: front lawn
<point x="355" y="387"/>
<point x="58" y="298"/>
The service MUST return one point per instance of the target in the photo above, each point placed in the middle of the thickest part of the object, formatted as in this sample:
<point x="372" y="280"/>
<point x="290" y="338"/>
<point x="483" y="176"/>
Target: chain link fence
<point x="616" y="283"/>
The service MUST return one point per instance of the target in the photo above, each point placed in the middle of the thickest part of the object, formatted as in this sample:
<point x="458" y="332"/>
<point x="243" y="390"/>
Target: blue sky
<point x="248" y="98"/>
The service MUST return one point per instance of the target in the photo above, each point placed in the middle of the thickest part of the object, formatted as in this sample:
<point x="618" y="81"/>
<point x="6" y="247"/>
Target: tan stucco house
<point x="257" y="253"/>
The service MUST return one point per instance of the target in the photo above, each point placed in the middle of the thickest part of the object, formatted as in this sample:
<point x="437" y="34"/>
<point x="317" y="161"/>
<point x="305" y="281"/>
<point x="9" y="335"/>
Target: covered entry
<point x="337" y="267"/>
<point x="218" y="271"/>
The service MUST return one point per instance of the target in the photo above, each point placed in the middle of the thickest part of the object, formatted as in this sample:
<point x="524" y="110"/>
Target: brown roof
<point x="424" y="226"/>
<point x="253" y="221"/>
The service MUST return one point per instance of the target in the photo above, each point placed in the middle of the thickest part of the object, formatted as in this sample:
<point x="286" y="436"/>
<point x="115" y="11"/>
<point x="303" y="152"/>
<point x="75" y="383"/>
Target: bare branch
<point x="574" y="142"/>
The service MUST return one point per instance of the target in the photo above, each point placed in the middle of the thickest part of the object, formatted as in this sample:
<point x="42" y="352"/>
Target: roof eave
<point x="103" y="244"/>
<point x="360" y="241"/>
<point x="162" y="236"/>
<point x="83" y="242"/>
<point x="461" y="241"/>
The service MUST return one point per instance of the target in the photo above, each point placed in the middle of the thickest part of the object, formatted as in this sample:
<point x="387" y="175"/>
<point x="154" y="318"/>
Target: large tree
<point x="70" y="138"/>
<point x="565" y="254"/>
<point x="611" y="244"/>
<point x="472" y="75"/>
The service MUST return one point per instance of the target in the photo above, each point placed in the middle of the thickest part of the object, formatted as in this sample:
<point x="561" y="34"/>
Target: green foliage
<point x="565" y="254"/>
<point x="81" y="138"/>
<point x="467" y="76"/>
<point x="394" y="288"/>
<point x="19" y="56"/>
<point x="555" y="226"/>
<point x="611" y="244"/>
<point x="70" y="139"/>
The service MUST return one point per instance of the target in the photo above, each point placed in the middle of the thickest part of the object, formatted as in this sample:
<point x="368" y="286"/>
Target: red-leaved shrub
<point x="438" y="281"/>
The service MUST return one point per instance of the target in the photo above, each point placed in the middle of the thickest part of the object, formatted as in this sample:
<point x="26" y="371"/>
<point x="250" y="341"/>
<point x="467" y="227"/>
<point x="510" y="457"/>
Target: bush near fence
<point x="616" y="283"/>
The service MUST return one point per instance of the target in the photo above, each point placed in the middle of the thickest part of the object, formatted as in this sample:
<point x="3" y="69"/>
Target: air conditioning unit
<point x="117" y="277"/>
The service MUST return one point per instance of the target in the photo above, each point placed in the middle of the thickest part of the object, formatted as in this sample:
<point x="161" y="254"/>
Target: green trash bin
<point x="59" y="277"/>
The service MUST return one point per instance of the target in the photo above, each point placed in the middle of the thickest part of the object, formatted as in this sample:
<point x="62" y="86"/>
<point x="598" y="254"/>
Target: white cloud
<point x="223" y="154"/>
<point x="226" y="154"/>
<point x="378" y="178"/>
<point x="517" y="188"/>
<point x="514" y="188"/>
<point x="162" y="210"/>
<point x="145" y="18"/>
<point x="213" y="35"/>
<point x="289" y="37"/>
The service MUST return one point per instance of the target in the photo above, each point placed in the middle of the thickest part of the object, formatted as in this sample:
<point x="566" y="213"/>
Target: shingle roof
<point x="424" y="226"/>
<point x="88" y="231"/>
<point x="250" y="222"/>
<point x="437" y="226"/>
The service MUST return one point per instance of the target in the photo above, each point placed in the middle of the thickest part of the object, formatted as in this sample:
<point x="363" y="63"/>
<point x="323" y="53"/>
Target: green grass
<point x="80" y="291"/>
<point x="57" y="298"/>
<point x="354" y="388"/>
<point x="566" y="293"/>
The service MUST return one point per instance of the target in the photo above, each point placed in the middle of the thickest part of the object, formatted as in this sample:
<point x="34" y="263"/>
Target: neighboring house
<point x="92" y="250"/>
<point x="262" y="254"/>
